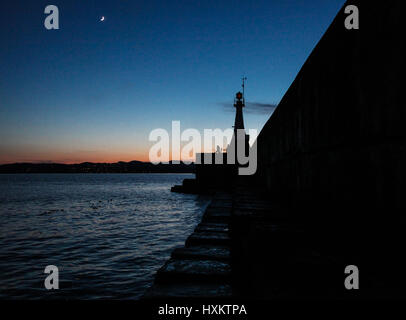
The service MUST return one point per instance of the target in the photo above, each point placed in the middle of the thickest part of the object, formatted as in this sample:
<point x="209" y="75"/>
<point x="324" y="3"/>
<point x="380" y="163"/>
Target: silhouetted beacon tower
<point x="239" y="103"/>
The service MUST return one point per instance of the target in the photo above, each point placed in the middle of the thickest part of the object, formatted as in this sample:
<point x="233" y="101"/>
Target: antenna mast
<point x="243" y="87"/>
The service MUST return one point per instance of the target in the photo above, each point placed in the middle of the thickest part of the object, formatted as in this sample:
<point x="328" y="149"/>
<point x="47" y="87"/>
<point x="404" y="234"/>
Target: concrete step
<point x="212" y="227"/>
<point x="216" y="203"/>
<point x="189" y="290"/>
<point x="269" y="227"/>
<point x="215" y="219"/>
<point x="255" y="205"/>
<point x="218" y="211"/>
<point x="217" y="215"/>
<point x="184" y="270"/>
<point x="270" y="215"/>
<point x="222" y="196"/>
<point x="208" y="238"/>
<point x="218" y="253"/>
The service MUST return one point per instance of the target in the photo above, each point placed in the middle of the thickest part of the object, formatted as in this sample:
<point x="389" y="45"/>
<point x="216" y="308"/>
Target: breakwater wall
<point x="334" y="150"/>
<point x="337" y="137"/>
<point x="330" y="186"/>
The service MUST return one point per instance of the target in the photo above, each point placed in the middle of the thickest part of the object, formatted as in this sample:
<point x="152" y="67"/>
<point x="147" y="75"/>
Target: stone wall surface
<point x="337" y="138"/>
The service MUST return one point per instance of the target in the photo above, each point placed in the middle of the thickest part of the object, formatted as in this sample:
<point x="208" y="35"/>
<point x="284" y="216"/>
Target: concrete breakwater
<point x="331" y="179"/>
<point x="246" y="247"/>
<point x="334" y="150"/>
<point x="202" y="268"/>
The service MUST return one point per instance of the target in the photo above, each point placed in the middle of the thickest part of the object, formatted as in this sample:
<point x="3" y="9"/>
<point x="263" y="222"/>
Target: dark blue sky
<point x="94" y="90"/>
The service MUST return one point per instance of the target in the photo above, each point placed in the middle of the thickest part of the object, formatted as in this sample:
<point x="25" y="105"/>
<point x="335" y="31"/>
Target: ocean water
<point x="106" y="233"/>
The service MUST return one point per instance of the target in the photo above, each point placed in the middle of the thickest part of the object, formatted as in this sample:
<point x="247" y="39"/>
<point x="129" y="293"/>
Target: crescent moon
<point x="102" y="18"/>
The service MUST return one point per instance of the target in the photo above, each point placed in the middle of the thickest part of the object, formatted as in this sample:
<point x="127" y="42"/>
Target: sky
<point x="94" y="90"/>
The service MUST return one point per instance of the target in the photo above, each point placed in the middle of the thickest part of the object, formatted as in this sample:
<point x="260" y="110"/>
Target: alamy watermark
<point x="52" y="20"/>
<point x="169" y="146"/>
<point x="352" y="280"/>
<point x="51" y="281"/>
<point x="352" y="20"/>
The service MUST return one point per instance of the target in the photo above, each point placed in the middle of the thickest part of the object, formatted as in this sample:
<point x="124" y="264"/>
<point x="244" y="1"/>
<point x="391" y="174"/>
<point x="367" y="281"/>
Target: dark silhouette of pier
<point x="330" y="186"/>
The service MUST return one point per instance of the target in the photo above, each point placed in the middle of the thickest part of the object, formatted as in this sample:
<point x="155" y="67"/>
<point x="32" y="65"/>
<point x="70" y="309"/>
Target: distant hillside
<point x="89" y="167"/>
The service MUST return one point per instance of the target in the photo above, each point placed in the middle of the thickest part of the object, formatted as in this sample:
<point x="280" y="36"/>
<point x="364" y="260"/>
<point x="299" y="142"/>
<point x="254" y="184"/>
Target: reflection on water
<point x="107" y="233"/>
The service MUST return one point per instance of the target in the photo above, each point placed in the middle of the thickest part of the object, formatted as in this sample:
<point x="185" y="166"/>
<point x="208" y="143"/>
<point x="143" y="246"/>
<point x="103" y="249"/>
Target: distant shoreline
<point x="90" y="167"/>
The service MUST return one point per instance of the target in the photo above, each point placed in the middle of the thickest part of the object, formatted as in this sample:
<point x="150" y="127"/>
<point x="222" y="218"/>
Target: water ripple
<point x="107" y="233"/>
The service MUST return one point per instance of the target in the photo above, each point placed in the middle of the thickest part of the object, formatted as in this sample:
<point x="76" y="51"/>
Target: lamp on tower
<point x="239" y="100"/>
